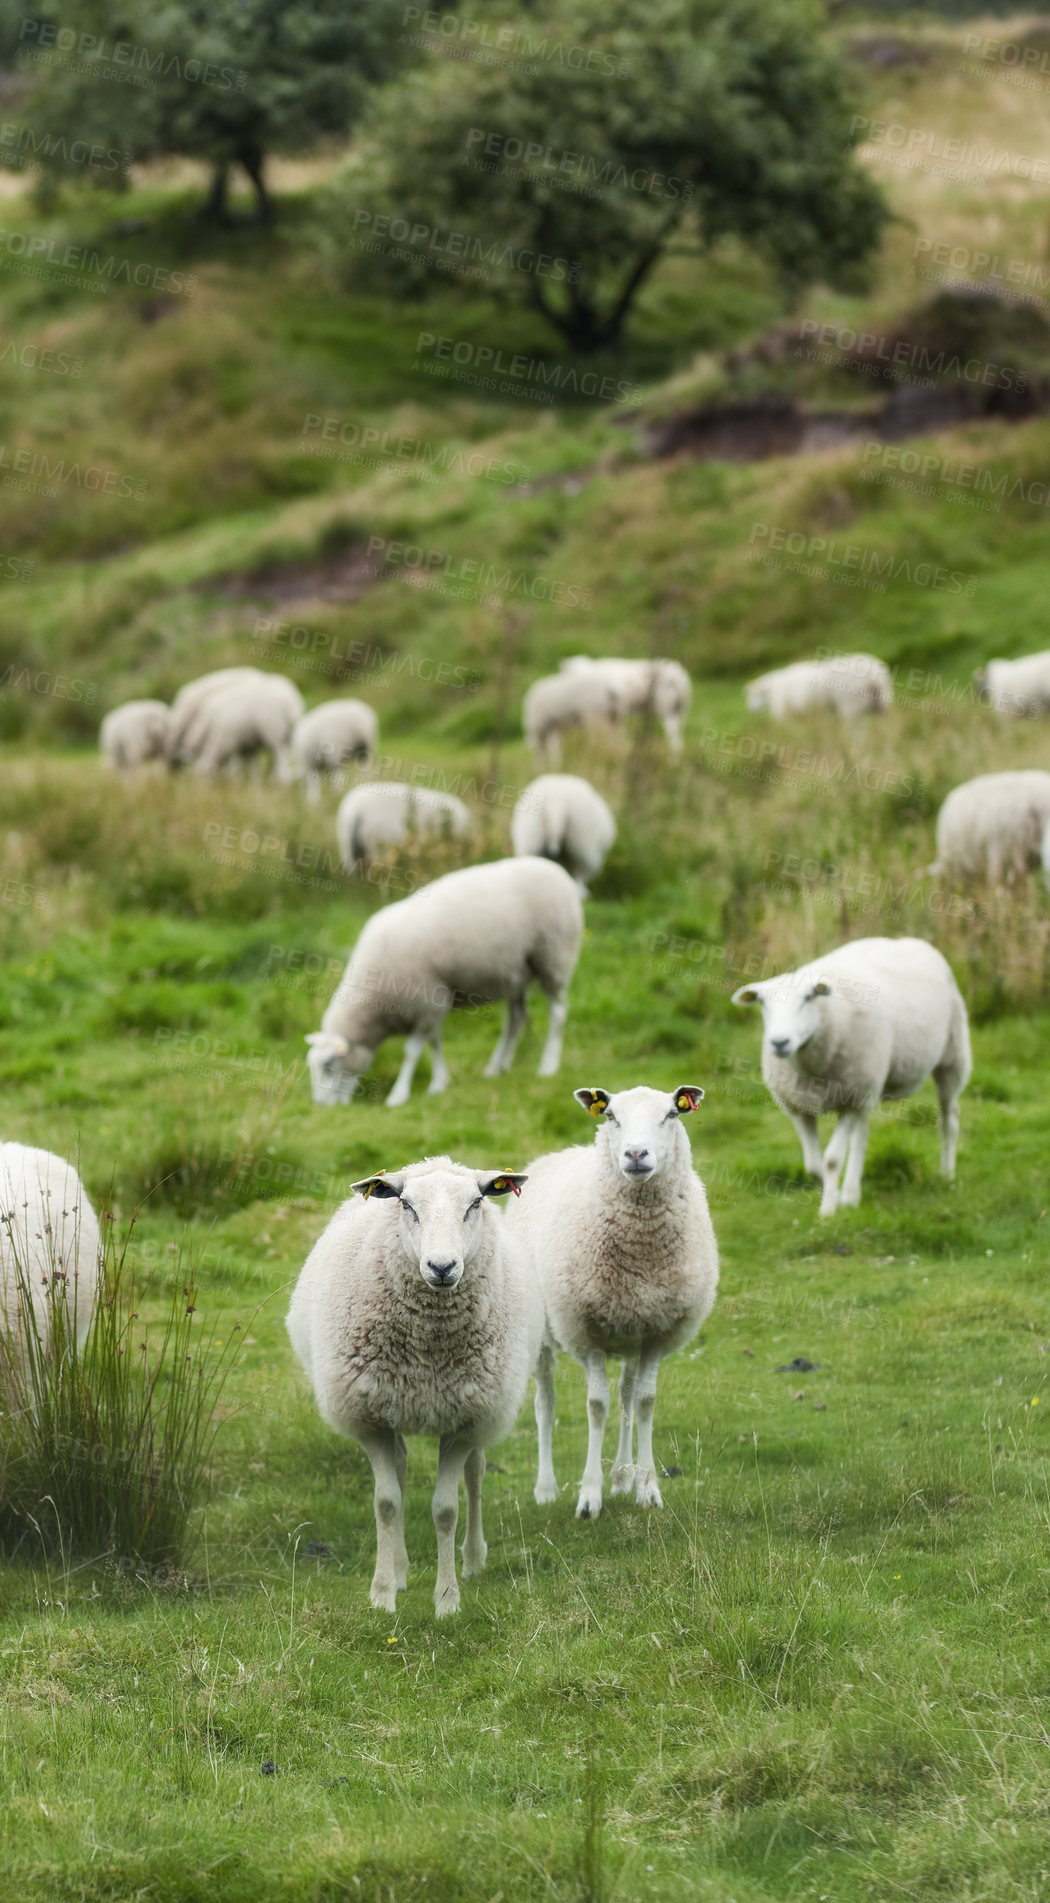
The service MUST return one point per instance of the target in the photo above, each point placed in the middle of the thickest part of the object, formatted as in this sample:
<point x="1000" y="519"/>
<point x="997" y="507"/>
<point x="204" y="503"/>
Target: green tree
<point x="599" y="131"/>
<point x="225" y="81"/>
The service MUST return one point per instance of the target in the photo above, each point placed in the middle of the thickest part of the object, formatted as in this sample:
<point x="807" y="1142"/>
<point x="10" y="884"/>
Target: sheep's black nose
<point x="441" y="1271"/>
<point x="780" y="1044"/>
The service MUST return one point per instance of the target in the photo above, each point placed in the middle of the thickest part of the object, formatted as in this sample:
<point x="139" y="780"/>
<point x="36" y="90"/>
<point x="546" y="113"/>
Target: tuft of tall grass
<point x="105" y="1444"/>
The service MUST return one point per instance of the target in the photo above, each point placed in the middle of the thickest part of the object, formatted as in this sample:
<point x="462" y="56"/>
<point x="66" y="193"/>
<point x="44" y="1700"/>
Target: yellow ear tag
<point x="684" y="1102"/>
<point x="595" y="1107"/>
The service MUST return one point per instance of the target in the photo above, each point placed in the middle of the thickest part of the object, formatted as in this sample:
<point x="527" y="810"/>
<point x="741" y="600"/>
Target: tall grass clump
<point x="105" y="1444"/>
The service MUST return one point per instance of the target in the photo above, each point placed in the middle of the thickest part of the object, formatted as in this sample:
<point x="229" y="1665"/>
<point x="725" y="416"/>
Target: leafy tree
<point x="225" y="81"/>
<point x="598" y="131"/>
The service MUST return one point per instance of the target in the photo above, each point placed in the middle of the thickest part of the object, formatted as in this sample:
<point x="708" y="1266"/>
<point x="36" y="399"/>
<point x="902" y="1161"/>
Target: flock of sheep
<point x="419" y="1310"/>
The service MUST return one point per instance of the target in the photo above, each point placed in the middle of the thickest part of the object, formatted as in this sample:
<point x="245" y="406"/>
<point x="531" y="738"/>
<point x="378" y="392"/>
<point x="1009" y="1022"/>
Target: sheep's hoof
<point x="590" y="1506"/>
<point x="395" y="1100"/>
<point x="546" y="1494"/>
<point x="384" y="1598"/>
<point x="647" y="1494"/>
<point x="622" y="1481"/>
<point x="474" y="1562"/>
<point x="446" y="1603"/>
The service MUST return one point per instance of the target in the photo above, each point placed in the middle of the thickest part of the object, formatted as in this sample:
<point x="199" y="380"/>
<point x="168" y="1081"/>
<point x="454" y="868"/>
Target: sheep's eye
<point x="408" y="1209"/>
<point x="671" y="1117"/>
<point x="609" y="1118"/>
<point x="476" y="1204"/>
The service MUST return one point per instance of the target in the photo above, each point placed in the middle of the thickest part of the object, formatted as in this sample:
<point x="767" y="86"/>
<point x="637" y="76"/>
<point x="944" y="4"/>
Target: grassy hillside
<point x="821" y="1671"/>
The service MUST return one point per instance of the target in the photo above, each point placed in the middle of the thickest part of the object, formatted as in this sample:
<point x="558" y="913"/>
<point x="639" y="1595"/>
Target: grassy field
<point x="822" y="1672"/>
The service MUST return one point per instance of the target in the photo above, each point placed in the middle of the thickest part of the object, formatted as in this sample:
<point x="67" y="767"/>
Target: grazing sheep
<point x="619" y="1238"/>
<point x="993" y="827"/>
<point x="242" y="720"/>
<point x="328" y="736"/>
<point x="556" y="702"/>
<point x="1020" y="687"/>
<point x="415" y="1314"/>
<point x="466" y="940"/>
<point x="384" y="813"/>
<point x="560" y="816"/>
<point x="871" y="1020"/>
<point x="50" y="1245"/>
<point x="134" y="734"/>
<point x="849" y="684"/>
<point x="659" y="687"/>
<point x="191" y="698"/>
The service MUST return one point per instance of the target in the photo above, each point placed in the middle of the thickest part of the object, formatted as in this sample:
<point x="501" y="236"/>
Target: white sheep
<point x="992" y="827"/>
<point x="416" y="1314"/>
<point x="49" y="1254"/>
<point x="134" y="734"/>
<point x="1020" y="687"/>
<point x="191" y="698"/>
<point x="556" y="702"/>
<point x="873" y="1019"/>
<point x="327" y="737"/>
<point x="848" y="684"/>
<point x="384" y="813"/>
<point x="561" y="817"/>
<point x="660" y="687"/>
<point x="240" y="722"/>
<point x="467" y="940"/>
<point x="620" y="1240"/>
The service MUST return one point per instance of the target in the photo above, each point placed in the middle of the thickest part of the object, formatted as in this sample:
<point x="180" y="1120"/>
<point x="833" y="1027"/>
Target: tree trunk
<point x="214" y="206"/>
<point x="252" y="160"/>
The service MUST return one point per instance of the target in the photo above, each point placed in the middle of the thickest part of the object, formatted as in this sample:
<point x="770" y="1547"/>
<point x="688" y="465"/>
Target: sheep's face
<point x="757" y="698"/>
<point x="640" y="1126"/>
<point x="792" y="1009"/>
<point x="440" y="1219"/>
<point x="334" y="1066"/>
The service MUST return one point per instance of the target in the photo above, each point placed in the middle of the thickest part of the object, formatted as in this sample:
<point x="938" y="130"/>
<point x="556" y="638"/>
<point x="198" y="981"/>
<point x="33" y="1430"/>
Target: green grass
<point x="822" y="1671"/>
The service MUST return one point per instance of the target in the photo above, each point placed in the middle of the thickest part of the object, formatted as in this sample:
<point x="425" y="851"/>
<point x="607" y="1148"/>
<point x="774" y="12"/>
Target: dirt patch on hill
<point x="344" y="575"/>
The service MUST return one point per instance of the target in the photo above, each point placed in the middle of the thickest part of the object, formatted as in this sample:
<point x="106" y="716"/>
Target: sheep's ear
<point x="687" y="1097"/>
<point x="821" y="989"/>
<point x="595" y="1102"/>
<point x="748" y="994"/>
<point x="378" y="1186"/>
<point x="503" y="1183"/>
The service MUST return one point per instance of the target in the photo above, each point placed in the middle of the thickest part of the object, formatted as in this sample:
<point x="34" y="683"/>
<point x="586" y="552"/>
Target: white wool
<point x="416" y="1314"/>
<point x="557" y="702"/>
<point x="383" y="813"/>
<point x="47" y="1229"/>
<point x="661" y="687"/>
<point x="870" y="1020"/>
<point x="326" y="737"/>
<point x="849" y="684"/>
<point x="191" y="698"/>
<point x="467" y="940"/>
<point x="245" y="718"/>
<point x="992" y="827"/>
<point x="135" y="733"/>
<point x="619" y="1238"/>
<point x="1020" y="687"/>
<point x="560" y="816"/>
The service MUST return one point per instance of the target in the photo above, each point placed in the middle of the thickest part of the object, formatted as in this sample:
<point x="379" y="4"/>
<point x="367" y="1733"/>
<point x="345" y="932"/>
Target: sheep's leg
<point x="589" y="1504"/>
<point x="623" y="1466"/>
<point x="672" y="725"/>
<point x="439" y="1068"/>
<point x="858" y="1144"/>
<point x="475" y="1551"/>
<point x="806" y="1129"/>
<point x="381" y="1448"/>
<point x="503" y="1055"/>
<point x="949" y="1088"/>
<point x="403" y="1087"/>
<point x="400" y="1549"/>
<point x="546" y="1488"/>
<point x="557" y="1012"/>
<point x="313" y="786"/>
<point x="834" y="1158"/>
<point x="646" y="1491"/>
<point x="452" y="1458"/>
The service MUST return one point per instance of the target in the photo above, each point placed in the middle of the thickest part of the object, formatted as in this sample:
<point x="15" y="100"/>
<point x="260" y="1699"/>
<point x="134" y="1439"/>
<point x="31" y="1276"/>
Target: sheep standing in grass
<point x="561" y="817"/>
<point x="619" y="1238"/>
<point x="191" y="698"/>
<point x="1020" y="687"/>
<point x="49" y="1254"/>
<point x="871" y="1020"/>
<point x="556" y="702"/>
<point x="659" y="687"/>
<point x="384" y="813"/>
<point x="416" y="1314"/>
<point x="467" y="940"/>
<point x="326" y="738"/>
<point x="848" y="684"/>
<point x="241" y="721"/>
<point x="133" y="735"/>
<point x="993" y="827"/>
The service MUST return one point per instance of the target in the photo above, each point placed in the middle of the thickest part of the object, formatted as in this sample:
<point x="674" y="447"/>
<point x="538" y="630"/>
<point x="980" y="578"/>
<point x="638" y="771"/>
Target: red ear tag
<point x="507" y="1182"/>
